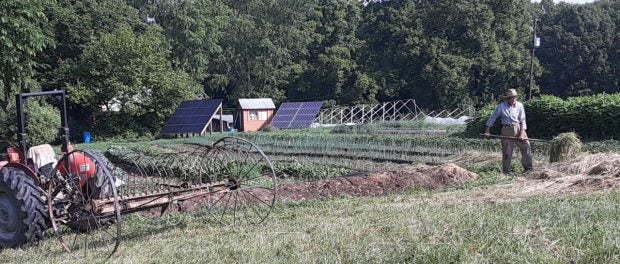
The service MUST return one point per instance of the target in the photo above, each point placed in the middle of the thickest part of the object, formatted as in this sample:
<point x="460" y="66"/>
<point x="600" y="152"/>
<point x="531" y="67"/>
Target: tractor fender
<point x="26" y="170"/>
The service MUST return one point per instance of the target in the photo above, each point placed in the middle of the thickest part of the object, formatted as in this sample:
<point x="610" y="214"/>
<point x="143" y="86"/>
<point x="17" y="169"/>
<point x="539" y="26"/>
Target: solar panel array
<point x="191" y="116"/>
<point x="296" y="115"/>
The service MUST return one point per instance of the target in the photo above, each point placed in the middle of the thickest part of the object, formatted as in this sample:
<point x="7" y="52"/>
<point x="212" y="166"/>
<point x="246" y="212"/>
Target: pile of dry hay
<point x="564" y="146"/>
<point x="600" y="164"/>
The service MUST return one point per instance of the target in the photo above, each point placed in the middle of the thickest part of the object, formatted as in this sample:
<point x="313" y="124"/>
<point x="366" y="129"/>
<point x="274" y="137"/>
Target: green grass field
<point x="418" y="226"/>
<point x="414" y="227"/>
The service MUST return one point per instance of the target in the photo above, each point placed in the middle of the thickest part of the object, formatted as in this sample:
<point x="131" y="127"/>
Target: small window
<point x="253" y="115"/>
<point x="262" y="115"/>
<point x="258" y="115"/>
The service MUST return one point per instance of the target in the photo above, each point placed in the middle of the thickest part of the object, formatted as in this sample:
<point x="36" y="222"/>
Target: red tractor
<point x="83" y="200"/>
<point x="26" y="174"/>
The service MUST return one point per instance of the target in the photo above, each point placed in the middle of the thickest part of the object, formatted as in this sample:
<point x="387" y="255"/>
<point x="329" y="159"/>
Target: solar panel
<point x="296" y="114"/>
<point x="191" y="116"/>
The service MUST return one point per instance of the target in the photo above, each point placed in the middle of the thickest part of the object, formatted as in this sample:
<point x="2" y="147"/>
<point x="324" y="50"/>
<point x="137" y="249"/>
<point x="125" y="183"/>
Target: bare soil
<point x="381" y="183"/>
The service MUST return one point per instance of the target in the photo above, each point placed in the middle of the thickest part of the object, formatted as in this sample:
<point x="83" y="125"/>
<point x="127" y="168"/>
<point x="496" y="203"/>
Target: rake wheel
<point x="249" y="180"/>
<point x="85" y="233"/>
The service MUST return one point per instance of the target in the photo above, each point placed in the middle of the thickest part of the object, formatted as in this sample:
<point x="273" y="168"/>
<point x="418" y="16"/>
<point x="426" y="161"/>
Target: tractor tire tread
<point x="30" y="203"/>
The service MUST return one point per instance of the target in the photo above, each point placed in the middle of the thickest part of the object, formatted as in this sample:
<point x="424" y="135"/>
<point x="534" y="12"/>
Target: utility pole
<point x="535" y="44"/>
<point x="528" y="94"/>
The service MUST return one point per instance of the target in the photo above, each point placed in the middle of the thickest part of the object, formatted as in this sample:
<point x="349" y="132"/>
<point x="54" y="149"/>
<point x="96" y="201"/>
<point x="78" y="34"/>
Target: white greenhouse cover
<point x="446" y="120"/>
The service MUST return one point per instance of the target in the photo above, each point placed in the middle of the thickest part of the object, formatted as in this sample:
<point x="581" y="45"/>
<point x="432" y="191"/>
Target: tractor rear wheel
<point x="22" y="209"/>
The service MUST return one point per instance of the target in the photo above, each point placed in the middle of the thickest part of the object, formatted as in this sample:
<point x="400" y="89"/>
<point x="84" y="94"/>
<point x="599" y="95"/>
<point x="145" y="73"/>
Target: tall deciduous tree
<point x="194" y="29"/>
<point x="447" y="53"/>
<point x="74" y="24"/>
<point x="332" y="72"/>
<point x="21" y="38"/>
<point x="393" y="38"/>
<point x="580" y="47"/>
<point x="129" y="70"/>
<point x="262" y="49"/>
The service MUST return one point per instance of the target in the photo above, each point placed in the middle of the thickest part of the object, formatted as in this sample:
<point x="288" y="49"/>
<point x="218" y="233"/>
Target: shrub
<point x="42" y="123"/>
<point x="592" y="117"/>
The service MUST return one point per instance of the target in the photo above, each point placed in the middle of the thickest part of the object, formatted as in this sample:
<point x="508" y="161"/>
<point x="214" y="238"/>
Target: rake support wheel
<point x="87" y="234"/>
<point x="249" y="179"/>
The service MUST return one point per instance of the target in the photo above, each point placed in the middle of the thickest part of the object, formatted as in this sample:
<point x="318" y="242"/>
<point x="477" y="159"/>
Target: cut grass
<point x="415" y="227"/>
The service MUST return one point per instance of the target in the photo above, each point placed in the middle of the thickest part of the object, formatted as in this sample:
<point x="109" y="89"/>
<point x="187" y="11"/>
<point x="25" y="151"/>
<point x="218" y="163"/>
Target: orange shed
<point x="255" y="114"/>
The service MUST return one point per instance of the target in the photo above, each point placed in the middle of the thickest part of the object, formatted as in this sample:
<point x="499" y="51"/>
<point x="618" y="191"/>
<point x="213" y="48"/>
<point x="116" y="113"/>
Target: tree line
<point x="145" y="56"/>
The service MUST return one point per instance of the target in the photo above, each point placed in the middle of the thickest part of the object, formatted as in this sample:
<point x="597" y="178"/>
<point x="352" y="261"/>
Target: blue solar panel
<point x="312" y="105"/>
<point x="191" y="117"/>
<point x="296" y="114"/>
<point x="287" y="112"/>
<point x="293" y="105"/>
<point x="305" y="118"/>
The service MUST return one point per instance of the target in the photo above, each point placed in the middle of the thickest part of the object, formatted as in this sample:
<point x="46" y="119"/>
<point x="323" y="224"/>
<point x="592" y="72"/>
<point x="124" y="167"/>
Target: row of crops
<point x="324" y="153"/>
<point x="384" y="148"/>
<point x="319" y="154"/>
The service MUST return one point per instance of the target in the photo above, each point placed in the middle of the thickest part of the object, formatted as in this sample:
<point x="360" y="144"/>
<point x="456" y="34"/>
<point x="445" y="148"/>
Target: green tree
<point x="447" y="53"/>
<point x="21" y="38"/>
<point x="194" y="29"/>
<point x="579" y="50"/>
<point x="332" y="71"/>
<point x="73" y="24"/>
<point x="130" y="71"/>
<point x="393" y="39"/>
<point x="262" y="49"/>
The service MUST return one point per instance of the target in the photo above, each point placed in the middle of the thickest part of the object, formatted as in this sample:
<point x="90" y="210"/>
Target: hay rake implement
<point x="83" y="197"/>
<point x="232" y="179"/>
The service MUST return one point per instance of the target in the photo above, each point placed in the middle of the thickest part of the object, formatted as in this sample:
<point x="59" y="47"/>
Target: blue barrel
<point x="86" y="137"/>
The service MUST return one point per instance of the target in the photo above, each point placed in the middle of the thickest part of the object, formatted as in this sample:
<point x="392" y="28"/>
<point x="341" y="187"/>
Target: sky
<point x="570" y="1"/>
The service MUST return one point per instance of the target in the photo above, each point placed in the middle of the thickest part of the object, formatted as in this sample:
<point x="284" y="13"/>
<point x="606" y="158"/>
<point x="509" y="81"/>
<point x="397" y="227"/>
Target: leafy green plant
<point x="592" y="117"/>
<point x="42" y="123"/>
<point x="307" y="171"/>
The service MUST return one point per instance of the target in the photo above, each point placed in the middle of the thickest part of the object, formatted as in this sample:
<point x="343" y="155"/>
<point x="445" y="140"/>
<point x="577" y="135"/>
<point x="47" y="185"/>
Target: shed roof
<point x="256" y="103"/>
<point x="226" y="118"/>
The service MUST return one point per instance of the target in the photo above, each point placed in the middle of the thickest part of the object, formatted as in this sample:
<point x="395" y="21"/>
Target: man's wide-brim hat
<point x="511" y="93"/>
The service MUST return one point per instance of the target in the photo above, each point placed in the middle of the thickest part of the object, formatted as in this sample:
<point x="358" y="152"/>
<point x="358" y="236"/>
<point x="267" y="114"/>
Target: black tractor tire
<point x="23" y="214"/>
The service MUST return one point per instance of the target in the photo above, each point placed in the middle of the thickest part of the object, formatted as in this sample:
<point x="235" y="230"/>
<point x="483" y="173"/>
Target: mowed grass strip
<point x="416" y="227"/>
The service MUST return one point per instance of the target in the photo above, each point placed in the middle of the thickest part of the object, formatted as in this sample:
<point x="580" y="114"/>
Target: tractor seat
<point x="43" y="158"/>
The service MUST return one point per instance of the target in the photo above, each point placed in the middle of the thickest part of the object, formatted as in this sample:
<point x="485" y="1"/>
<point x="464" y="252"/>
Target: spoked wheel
<point x="88" y="233"/>
<point x="248" y="182"/>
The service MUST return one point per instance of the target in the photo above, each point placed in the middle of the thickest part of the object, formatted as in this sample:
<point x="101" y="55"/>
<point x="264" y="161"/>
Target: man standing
<point x="512" y="116"/>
